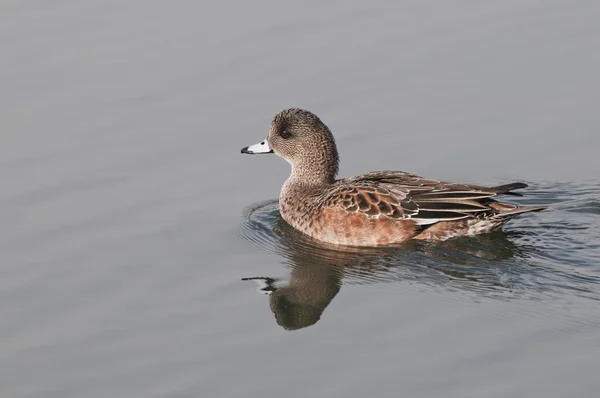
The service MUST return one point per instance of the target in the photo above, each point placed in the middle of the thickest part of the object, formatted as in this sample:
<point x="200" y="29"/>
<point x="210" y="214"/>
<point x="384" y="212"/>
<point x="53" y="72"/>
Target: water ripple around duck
<point x="549" y="253"/>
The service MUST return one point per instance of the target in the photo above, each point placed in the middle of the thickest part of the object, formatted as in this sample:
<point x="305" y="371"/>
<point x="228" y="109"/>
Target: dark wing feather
<point x="423" y="200"/>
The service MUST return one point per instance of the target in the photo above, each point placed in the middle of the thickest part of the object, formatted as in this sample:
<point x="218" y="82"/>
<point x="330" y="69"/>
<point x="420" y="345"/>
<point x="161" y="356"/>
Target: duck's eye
<point x="285" y="134"/>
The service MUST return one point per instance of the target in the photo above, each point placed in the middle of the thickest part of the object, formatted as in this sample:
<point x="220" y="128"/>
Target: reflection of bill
<point x="266" y="285"/>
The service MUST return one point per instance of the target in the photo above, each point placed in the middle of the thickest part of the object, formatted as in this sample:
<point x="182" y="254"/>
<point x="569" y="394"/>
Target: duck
<point x="377" y="208"/>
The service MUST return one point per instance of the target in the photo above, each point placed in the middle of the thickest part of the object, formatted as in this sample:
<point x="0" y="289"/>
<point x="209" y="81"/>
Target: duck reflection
<point x="317" y="269"/>
<point x="315" y="278"/>
<point x="301" y="301"/>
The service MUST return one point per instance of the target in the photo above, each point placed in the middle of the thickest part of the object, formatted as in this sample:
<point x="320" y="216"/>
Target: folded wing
<point x="402" y="195"/>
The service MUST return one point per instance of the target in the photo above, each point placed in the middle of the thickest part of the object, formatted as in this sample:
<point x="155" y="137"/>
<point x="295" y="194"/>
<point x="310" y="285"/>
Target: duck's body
<point x="383" y="208"/>
<point x="379" y="208"/>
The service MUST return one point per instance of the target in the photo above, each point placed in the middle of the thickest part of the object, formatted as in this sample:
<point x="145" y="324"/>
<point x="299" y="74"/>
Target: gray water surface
<point x="131" y="223"/>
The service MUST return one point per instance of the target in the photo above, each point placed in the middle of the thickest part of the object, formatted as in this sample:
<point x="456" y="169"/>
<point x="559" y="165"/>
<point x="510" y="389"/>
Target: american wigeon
<point x="379" y="208"/>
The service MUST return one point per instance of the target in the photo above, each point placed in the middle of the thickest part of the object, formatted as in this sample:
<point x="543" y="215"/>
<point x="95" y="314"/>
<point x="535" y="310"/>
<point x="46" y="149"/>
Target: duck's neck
<point x="306" y="181"/>
<point x="307" y="177"/>
<point x="318" y="167"/>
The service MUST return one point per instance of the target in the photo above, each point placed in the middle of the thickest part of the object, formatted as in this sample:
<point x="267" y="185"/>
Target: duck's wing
<point x="372" y="200"/>
<point x="400" y="195"/>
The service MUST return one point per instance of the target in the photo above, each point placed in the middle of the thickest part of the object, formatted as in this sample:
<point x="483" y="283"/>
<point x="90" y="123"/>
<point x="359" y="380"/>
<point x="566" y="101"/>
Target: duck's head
<point x="302" y="139"/>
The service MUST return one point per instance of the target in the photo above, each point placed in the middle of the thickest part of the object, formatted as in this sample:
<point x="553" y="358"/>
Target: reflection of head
<point x="303" y="299"/>
<point x="293" y="315"/>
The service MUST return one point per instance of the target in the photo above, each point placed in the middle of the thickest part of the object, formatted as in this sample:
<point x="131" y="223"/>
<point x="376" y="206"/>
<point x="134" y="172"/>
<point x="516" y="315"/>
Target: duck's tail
<point x="507" y="189"/>
<point x="510" y="210"/>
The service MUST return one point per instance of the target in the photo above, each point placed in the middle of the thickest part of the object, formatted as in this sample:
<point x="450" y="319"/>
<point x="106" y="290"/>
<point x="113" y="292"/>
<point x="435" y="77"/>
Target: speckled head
<point x="302" y="139"/>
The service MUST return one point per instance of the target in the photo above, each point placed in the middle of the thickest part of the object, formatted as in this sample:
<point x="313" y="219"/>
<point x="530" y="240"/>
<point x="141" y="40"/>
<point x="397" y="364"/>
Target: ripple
<point x="546" y="254"/>
<point x="257" y="225"/>
<point x="464" y="259"/>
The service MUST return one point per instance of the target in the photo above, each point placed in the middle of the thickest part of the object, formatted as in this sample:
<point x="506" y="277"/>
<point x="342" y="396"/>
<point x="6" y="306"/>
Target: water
<point x="131" y="221"/>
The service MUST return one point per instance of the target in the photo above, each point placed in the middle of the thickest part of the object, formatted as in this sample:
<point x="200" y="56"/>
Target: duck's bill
<point x="261" y="147"/>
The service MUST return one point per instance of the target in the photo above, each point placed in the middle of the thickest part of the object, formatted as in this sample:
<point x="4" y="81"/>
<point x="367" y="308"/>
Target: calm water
<point x="132" y="228"/>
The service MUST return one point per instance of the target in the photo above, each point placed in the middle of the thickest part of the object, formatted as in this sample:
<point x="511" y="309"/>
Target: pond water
<point x="143" y="256"/>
